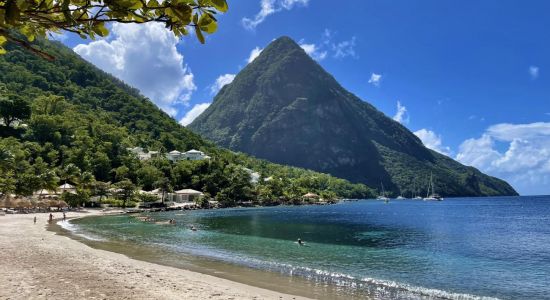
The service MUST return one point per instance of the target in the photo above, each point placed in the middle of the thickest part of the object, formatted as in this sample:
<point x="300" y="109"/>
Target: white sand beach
<point x="38" y="264"/>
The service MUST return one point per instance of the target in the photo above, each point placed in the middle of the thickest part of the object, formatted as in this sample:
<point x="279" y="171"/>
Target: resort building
<point x="141" y="154"/>
<point x="254" y="176"/>
<point x="193" y="154"/>
<point x="66" y="188"/>
<point x="185" y="195"/>
<point x="173" y="156"/>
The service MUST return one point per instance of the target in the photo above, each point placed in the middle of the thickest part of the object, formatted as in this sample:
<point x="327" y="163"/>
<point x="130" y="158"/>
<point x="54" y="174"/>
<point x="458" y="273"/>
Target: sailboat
<point x="414" y="195"/>
<point x="431" y="195"/>
<point x="383" y="194"/>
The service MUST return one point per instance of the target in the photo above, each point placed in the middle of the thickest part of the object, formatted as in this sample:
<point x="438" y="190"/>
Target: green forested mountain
<point x="284" y="107"/>
<point x="76" y="123"/>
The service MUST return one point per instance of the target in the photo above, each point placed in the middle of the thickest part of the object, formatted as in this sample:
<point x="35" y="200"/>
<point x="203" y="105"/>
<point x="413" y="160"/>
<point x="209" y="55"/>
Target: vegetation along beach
<point x="274" y="149"/>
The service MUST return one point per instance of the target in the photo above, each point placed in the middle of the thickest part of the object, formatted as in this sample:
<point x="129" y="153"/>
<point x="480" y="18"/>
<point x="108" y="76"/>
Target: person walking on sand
<point x="64" y="217"/>
<point x="51" y="218"/>
<point x="34" y="219"/>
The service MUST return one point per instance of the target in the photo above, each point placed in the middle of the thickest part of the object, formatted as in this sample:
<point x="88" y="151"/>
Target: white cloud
<point x="401" y="115"/>
<point x="313" y="51"/>
<point x="328" y="47"/>
<point x="144" y="56"/>
<point x="524" y="161"/>
<point x="269" y="7"/>
<point x="433" y="141"/>
<point x="221" y="82"/>
<point x="534" y="72"/>
<point x="254" y="53"/>
<point x="375" y="79"/>
<point x="193" y="113"/>
<point x="345" y="48"/>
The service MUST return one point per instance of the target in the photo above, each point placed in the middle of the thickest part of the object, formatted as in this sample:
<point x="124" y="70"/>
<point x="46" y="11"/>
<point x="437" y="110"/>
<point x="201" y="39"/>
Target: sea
<point x="459" y="248"/>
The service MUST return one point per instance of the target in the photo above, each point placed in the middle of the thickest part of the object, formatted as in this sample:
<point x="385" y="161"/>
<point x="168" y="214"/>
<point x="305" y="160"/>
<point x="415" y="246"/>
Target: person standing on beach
<point x="34" y="219"/>
<point x="64" y="217"/>
<point x="51" y="218"/>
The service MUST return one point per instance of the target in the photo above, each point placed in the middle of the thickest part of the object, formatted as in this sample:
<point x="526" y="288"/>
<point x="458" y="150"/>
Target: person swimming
<point x="300" y="242"/>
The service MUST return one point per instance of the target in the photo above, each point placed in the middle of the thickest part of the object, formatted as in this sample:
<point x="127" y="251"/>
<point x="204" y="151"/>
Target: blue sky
<point x="469" y="76"/>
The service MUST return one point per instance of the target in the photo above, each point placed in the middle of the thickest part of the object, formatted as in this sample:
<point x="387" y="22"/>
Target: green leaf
<point x="220" y="5"/>
<point x="200" y="36"/>
<point x="207" y="24"/>
<point x="100" y="29"/>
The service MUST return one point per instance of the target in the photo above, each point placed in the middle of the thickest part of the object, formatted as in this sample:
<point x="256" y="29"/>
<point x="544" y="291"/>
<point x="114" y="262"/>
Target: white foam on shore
<point x="383" y="289"/>
<point x="75" y="230"/>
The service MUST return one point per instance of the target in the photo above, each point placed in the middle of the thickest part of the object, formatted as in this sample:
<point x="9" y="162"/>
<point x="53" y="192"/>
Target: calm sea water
<point x="456" y="249"/>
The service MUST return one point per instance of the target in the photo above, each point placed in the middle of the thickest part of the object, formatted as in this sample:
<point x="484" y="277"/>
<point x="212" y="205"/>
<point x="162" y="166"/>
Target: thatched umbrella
<point x="61" y="203"/>
<point x="311" y="196"/>
<point x="22" y="203"/>
<point x="42" y="204"/>
<point x="52" y="203"/>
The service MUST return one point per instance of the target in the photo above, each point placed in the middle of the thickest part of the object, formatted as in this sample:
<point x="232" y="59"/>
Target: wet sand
<point x="38" y="264"/>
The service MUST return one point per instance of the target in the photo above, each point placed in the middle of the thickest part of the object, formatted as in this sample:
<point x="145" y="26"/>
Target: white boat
<point x="383" y="195"/>
<point x="400" y="198"/>
<point x="431" y="195"/>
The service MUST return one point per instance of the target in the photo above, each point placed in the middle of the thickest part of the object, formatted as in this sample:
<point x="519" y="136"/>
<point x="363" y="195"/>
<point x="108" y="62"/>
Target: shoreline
<point x="38" y="263"/>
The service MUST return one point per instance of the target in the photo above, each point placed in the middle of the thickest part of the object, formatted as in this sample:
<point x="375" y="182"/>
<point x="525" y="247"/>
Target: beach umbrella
<point x="42" y="204"/>
<point x="34" y="203"/>
<point x="22" y="203"/>
<point x="8" y="202"/>
<point x="311" y="196"/>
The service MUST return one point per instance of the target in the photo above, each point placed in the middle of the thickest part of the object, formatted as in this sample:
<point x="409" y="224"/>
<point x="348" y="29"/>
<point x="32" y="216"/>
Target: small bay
<point x="462" y="248"/>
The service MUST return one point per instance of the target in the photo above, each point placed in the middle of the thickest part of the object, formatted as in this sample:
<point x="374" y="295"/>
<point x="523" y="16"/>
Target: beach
<point x="38" y="264"/>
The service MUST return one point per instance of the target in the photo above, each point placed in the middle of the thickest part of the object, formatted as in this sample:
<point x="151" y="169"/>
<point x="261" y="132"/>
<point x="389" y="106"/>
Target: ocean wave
<point x="75" y="230"/>
<point x="375" y="288"/>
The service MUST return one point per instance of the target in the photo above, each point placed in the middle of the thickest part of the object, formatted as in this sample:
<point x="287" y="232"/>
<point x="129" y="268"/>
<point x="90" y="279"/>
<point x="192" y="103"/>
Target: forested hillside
<point x="73" y="124"/>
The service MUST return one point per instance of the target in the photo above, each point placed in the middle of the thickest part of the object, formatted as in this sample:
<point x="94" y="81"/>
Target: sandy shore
<point x="38" y="264"/>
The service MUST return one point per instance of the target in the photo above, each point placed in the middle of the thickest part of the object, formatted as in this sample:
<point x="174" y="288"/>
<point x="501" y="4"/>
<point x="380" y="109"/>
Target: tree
<point x="127" y="191"/>
<point x="48" y="180"/>
<point x="164" y="186"/>
<point x="7" y="184"/>
<point x="86" y="180"/>
<point x="101" y="189"/>
<point x="13" y="108"/>
<point x="6" y="159"/>
<point x="147" y="176"/>
<point x="89" y="18"/>
<point x="69" y="173"/>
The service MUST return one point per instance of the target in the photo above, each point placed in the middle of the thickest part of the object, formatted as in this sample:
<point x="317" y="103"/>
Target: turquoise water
<point x="457" y="249"/>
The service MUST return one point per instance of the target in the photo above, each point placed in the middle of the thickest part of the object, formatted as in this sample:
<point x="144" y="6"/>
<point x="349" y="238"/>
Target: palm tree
<point x="69" y="173"/>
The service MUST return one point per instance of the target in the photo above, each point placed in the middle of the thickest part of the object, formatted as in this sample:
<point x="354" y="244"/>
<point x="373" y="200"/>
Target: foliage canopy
<point x="36" y="18"/>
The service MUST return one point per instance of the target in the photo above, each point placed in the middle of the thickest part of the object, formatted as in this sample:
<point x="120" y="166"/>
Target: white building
<point x="189" y="155"/>
<point x="254" y="176"/>
<point x="67" y="188"/>
<point x="174" y="155"/>
<point x="142" y="155"/>
<point x="185" y="195"/>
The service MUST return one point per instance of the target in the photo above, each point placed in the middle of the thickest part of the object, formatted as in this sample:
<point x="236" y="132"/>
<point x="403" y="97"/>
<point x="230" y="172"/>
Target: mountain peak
<point x="279" y="49"/>
<point x="284" y="107"/>
<point x="283" y="41"/>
